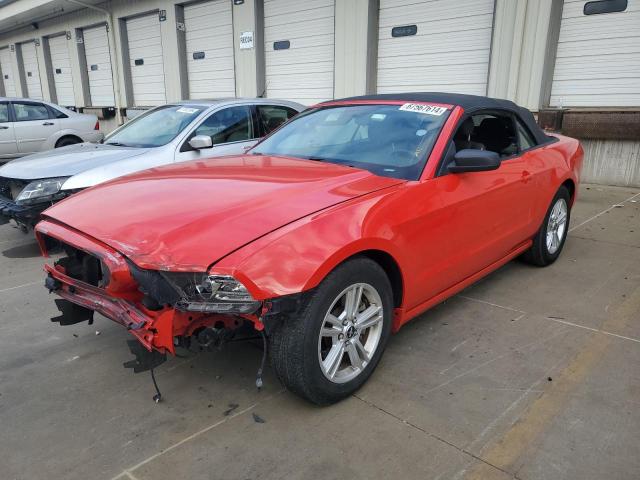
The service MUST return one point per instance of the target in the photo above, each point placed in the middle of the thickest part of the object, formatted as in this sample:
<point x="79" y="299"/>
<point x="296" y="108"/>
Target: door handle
<point x="47" y="123"/>
<point x="526" y="176"/>
<point x="3" y="127"/>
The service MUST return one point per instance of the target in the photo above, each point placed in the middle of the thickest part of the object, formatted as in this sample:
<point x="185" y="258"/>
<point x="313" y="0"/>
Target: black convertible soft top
<point x="469" y="103"/>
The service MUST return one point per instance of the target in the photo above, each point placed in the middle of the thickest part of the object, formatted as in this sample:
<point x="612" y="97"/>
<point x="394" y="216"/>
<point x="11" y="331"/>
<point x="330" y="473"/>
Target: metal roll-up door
<point x="8" y="79"/>
<point x="436" y="45"/>
<point x="299" y="49"/>
<point x="98" y="58"/>
<point x="31" y="70"/>
<point x="598" y="58"/>
<point x="209" y="49"/>
<point x="145" y="60"/>
<point x="61" y="69"/>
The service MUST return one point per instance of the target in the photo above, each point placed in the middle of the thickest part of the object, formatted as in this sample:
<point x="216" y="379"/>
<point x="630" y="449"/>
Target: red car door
<point x="476" y="219"/>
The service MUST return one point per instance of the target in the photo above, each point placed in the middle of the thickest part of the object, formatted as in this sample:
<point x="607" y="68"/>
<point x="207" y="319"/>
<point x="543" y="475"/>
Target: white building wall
<point x="522" y="60"/>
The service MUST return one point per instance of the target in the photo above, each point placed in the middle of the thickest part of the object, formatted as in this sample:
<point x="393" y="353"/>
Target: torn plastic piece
<point x="72" y="313"/>
<point x="145" y="359"/>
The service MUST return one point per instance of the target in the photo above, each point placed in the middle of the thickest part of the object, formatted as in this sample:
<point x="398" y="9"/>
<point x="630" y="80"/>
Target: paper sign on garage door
<point x="61" y="67"/>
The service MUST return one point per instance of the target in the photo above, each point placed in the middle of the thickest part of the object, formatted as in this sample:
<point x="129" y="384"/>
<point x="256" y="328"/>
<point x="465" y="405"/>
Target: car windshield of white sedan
<point x="388" y="140"/>
<point x="156" y="127"/>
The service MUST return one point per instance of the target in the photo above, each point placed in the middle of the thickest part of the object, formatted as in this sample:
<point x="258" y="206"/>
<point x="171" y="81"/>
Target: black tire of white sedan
<point x="549" y="240"/>
<point x="327" y="350"/>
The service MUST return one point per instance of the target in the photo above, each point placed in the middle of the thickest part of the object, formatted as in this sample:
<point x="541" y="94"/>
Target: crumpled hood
<point x="67" y="161"/>
<point x="189" y="215"/>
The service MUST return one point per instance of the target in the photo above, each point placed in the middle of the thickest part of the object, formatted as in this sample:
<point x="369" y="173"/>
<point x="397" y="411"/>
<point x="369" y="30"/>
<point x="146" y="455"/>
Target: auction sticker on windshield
<point x="187" y="110"/>
<point x="426" y="109"/>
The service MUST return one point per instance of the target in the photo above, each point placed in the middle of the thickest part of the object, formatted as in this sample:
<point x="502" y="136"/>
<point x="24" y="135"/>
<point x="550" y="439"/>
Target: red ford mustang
<point x="331" y="233"/>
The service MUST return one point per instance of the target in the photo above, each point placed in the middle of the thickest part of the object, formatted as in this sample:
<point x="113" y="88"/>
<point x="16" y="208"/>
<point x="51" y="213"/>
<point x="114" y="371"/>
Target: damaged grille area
<point x="81" y="265"/>
<point x="11" y="188"/>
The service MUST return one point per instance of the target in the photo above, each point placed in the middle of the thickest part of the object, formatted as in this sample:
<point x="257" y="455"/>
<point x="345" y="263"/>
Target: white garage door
<point x="209" y="42"/>
<point x="31" y="70"/>
<point x="145" y="60"/>
<point x="299" y="49"/>
<point x="98" y="58"/>
<point x="61" y="67"/>
<point x="598" y="58"/>
<point x="7" y="73"/>
<point x="437" y="45"/>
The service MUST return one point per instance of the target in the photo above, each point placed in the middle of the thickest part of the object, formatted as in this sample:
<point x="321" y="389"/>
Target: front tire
<point x="327" y="350"/>
<point x="550" y="238"/>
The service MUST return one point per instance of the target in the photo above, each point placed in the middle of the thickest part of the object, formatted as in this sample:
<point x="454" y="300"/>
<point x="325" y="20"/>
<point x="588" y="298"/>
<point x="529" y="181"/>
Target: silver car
<point x="28" y="126"/>
<point x="177" y="132"/>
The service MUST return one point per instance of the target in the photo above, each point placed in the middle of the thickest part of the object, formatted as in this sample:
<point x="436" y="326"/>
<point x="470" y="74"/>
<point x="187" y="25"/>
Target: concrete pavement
<point x="532" y="373"/>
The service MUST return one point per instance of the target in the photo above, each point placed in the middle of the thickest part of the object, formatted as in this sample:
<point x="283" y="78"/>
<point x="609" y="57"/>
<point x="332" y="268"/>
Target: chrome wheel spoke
<point x="332" y="332"/>
<point x="352" y="301"/>
<point x="362" y="353"/>
<point x="369" y="317"/>
<point x="354" y="357"/>
<point x="334" y="321"/>
<point x="334" y="359"/>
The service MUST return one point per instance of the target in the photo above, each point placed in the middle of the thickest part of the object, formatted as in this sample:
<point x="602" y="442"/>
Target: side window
<point x="525" y="139"/>
<point x="57" y="113"/>
<point x="494" y="132"/>
<point x="272" y="116"/>
<point x="232" y="124"/>
<point x="30" y="111"/>
<point x="4" y="112"/>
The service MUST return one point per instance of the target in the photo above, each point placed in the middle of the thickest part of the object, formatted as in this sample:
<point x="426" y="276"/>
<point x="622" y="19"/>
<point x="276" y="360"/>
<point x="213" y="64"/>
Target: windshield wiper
<point x="117" y="144"/>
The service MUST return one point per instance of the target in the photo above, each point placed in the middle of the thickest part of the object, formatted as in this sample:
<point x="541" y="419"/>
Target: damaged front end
<point x="161" y="309"/>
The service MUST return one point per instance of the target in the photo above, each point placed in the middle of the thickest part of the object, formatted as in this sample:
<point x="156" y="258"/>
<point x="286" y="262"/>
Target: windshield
<point x="156" y="127"/>
<point x="388" y="140"/>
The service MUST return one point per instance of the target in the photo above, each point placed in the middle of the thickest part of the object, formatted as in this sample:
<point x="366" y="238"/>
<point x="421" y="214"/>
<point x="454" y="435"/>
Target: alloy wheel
<point x="556" y="226"/>
<point x="350" y="332"/>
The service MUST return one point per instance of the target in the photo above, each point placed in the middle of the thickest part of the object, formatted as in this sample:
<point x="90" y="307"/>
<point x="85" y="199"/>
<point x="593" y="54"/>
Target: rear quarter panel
<point x="554" y="164"/>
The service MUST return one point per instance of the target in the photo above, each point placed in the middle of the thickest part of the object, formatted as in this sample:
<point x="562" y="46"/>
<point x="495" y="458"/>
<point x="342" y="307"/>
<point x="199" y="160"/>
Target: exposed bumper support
<point x="27" y="215"/>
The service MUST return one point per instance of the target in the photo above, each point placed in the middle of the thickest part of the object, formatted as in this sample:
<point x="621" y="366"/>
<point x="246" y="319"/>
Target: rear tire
<point x="327" y="349"/>
<point x="550" y="238"/>
<point x="64" y="141"/>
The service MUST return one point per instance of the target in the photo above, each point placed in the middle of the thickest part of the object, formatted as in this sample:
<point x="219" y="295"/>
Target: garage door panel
<point x="602" y="47"/>
<point x="61" y="69"/>
<point x="98" y="58"/>
<point x="450" y="50"/>
<point x="145" y="46"/>
<point x="459" y="43"/>
<point x="300" y="55"/>
<point x="439" y="11"/>
<point x="293" y="18"/>
<point x="31" y="70"/>
<point x="597" y="59"/>
<point x="8" y="77"/>
<point x="305" y="70"/>
<point x="280" y="8"/>
<point x="209" y="31"/>
<point x="216" y="38"/>
<point x="311" y="28"/>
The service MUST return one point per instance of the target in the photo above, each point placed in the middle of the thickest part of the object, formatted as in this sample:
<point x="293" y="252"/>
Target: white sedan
<point x="28" y="126"/>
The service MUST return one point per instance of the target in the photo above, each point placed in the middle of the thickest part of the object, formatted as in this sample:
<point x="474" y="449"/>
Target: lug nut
<point x="340" y="336"/>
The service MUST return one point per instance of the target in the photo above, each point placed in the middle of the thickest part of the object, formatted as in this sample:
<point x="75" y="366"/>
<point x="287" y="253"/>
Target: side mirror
<point x="469" y="160"/>
<point x="200" y="142"/>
